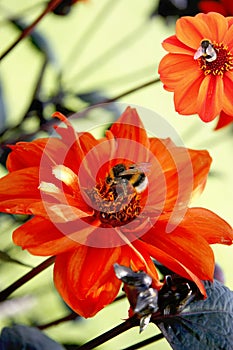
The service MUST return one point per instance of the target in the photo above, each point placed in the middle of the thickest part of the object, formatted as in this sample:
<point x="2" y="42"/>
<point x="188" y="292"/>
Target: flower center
<point x="219" y="63"/>
<point x="117" y="199"/>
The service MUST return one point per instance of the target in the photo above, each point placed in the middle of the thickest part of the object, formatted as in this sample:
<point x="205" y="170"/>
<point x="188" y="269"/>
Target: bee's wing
<point x="198" y="53"/>
<point x="137" y="168"/>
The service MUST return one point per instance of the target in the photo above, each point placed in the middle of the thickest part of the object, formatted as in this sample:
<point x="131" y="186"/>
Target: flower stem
<point x="130" y="91"/>
<point x="71" y="316"/>
<point x="145" y="342"/>
<point x="25" y="278"/>
<point x="51" y="5"/>
<point x="121" y="328"/>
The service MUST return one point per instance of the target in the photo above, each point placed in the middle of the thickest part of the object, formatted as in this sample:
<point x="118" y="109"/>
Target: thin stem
<point x="71" y="316"/>
<point x="51" y="5"/>
<point x="145" y="342"/>
<point x="25" y="278"/>
<point x="121" y="328"/>
<point x="130" y="91"/>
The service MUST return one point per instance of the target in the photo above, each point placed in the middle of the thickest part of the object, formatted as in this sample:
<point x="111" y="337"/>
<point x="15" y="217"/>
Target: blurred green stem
<point x="27" y="277"/>
<point x="51" y="5"/>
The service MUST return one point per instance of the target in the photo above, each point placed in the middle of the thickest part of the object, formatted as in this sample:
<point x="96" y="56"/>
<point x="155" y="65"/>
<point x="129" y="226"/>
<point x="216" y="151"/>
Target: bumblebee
<point x="207" y="51"/>
<point x="135" y="175"/>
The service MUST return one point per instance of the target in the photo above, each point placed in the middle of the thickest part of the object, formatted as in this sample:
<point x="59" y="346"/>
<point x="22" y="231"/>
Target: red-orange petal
<point x="191" y="30"/>
<point x="184" y="245"/>
<point x="129" y="126"/>
<point x="210" y="97"/>
<point x="20" y="184"/>
<point x="86" y="280"/>
<point x="41" y="237"/>
<point x="174" y="45"/>
<point x="227" y="96"/>
<point x="224" y="120"/>
<point x="176" y="67"/>
<point x="208" y="225"/>
<point x="174" y="265"/>
<point x="186" y="92"/>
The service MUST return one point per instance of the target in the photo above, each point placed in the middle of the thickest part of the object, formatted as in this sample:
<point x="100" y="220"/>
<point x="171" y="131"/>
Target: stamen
<point x="222" y="64"/>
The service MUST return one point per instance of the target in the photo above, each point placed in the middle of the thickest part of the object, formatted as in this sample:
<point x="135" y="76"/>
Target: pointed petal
<point x="173" y="264"/>
<point x="28" y="154"/>
<point x="224" y="120"/>
<point x="185" y="245"/>
<point x="210" y="97"/>
<point x="129" y="126"/>
<point x="208" y="225"/>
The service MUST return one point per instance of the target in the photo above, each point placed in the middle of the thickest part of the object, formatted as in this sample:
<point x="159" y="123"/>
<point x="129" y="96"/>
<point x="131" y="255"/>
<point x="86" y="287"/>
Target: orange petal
<point x="191" y="30"/>
<point x="41" y="237"/>
<point x="177" y="174"/>
<point x="174" y="67"/>
<point x="210" y="97"/>
<point x="86" y="280"/>
<point x="227" y="96"/>
<point x="224" y="120"/>
<point x="129" y="126"/>
<point x="174" y="45"/>
<point x="185" y="246"/>
<point x="217" y="25"/>
<point x="28" y="154"/>
<point x="208" y="225"/>
<point x="173" y="264"/>
<point x="22" y="183"/>
<point x="186" y="92"/>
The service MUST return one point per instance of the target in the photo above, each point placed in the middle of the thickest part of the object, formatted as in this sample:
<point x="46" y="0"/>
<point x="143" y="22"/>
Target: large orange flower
<point x="200" y="73"/>
<point x="121" y="199"/>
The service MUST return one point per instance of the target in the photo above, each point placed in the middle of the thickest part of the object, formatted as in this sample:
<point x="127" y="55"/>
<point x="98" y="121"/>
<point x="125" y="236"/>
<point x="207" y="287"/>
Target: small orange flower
<point x="199" y="65"/>
<point x="121" y="199"/>
<point x="225" y="7"/>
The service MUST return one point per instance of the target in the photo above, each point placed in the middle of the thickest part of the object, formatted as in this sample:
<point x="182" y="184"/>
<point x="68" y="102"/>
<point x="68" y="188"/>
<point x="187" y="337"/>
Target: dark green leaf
<point x="204" y="324"/>
<point x="26" y="338"/>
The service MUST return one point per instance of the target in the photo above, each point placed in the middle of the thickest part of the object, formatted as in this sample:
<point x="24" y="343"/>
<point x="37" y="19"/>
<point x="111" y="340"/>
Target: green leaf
<point x="204" y="324"/>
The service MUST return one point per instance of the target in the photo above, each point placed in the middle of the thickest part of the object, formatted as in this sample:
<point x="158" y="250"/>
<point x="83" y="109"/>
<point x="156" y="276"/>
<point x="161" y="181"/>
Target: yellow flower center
<point x="115" y="200"/>
<point x="222" y="63"/>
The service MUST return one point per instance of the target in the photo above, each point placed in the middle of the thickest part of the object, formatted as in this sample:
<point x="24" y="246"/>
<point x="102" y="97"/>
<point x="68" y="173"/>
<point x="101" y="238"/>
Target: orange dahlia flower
<point x="120" y="199"/>
<point x="199" y="66"/>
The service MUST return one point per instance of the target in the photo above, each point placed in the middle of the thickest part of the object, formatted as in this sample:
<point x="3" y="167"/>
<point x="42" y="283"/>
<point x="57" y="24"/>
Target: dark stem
<point x="121" y="328"/>
<point x="51" y="5"/>
<point x="145" y="342"/>
<point x="27" y="277"/>
<point x="130" y="91"/>
<point x="70" y="317"/>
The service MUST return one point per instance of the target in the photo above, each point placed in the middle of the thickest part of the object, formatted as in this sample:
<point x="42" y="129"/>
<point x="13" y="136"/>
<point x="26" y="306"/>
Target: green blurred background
<point x="109" y="46"/>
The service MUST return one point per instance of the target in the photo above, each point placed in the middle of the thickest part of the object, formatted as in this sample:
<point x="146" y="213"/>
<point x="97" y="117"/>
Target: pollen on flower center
<point x="115" y="200"/>
<point x="222" y="63"/>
